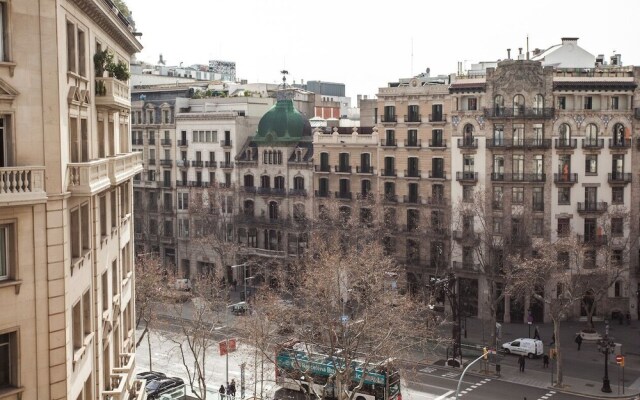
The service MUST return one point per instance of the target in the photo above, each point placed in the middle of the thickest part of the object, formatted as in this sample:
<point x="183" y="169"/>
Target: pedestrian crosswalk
<point x="547" y="395"/>
<point x="471" y="388"/>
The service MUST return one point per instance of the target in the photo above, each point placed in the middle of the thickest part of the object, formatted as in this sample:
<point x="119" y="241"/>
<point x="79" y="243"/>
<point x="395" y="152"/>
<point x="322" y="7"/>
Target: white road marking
<point x="444" y="395"/>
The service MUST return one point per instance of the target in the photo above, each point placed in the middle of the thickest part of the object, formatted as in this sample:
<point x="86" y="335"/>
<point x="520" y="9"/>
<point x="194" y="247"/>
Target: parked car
<point x="240" y="308"/>
<point x="158" y="386"/>
<point x="150" y="375"/>
<point x="183" y="284"/>
<point x="524" y="346"/>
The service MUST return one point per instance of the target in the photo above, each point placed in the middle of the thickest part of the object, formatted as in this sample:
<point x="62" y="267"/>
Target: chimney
<point x="508" y="54"/>
<point x="520" y="55"/>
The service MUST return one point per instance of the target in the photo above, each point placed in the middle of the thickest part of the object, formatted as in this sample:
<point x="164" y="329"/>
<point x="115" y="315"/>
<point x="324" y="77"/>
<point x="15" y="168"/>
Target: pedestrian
<point x="228" y="390"/>
<point x="235" y="285"/>
<point x="233" y="388"/>
<point x="536" y="333"/>
<point x="553" y="340"/>
<point x="222" y="392"/>
<point x="628" y="318"/>
<point x="578" y="341"/>
<point x="545" y="361"/>
<point x="521" y="363"/>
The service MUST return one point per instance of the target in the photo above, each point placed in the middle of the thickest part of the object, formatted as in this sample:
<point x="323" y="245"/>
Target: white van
<point x="524" y="346"/>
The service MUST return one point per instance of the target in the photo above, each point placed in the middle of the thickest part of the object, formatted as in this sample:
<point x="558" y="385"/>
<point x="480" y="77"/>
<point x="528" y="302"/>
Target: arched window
<point x="468" y="135"/>
<point x="248" y="208"/>
<point x="538" y="104"/>
<point x="619" y="135"/>
<point x="270" y="157"/>
<point x="278" y="182"/>
<point x="518" y="105"/>
<point x="248" y="180"/>
<point x="565" y="134"/>
<point x="298" y="183"/>
<point x="265" y="181"/>
<point x="591" y="134"/>
<point x="265" y="157"/>
<point x="273" y="210"/>
<point x="498" y="105"/>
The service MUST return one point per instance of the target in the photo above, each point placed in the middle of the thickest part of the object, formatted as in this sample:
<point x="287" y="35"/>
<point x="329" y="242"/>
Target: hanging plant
<point x="121" y="71"/>
<point x="102" y="62"/>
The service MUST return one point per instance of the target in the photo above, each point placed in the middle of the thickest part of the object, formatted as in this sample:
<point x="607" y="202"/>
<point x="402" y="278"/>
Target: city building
<point x="549" y="151"/>
<point x="66" y="267"/>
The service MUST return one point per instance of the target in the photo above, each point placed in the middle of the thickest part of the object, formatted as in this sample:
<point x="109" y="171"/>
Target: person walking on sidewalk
<point x="578" y="341"/>
<point x="545" y="361"/>
<point x="232" y="389"/>
<point x="521" y="363"/>
<point x="536" y="333"/>
<point x="221" y="391"/>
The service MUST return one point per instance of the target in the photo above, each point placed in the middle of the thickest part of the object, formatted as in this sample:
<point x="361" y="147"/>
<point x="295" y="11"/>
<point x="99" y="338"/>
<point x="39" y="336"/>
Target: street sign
<point x="223" y="346"/>
<point x="620" y="360"/>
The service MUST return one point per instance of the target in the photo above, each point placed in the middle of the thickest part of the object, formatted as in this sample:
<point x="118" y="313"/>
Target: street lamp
<point x="244" y="276"/>
<point x="606" y="346"/>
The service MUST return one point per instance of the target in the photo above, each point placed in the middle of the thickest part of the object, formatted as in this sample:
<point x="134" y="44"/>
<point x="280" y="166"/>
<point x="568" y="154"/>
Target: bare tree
<point x="151" y="292"/>
<point x="350" y="301"/>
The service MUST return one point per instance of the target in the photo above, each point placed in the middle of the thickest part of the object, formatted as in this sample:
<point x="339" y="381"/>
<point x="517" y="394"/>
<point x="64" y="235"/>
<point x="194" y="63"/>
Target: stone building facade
<point x="66" y="274"/>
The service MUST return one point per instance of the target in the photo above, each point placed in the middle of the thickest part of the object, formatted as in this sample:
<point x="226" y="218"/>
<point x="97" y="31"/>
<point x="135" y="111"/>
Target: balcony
<point x="255" y="251"/>
<point x="619" y="144"/>
<point x="126" y="365"/>
<point x="298" y="192"/>
<point x="496" y="143"/>
<point x="136" y="141"/>
<point x="152" y="141"/>
<point x="388" y="118"/>
<point x="390" y="198"/>
<point x="113" y="94"/>
<point x="467" y="176"/>
<point x="465" y="236"/>
<point x="537" y="143"/>
<point x="22" y="185"/>
<point x="438" y="118"/>
<point x="412" y="173"/>
<point x="408" y="199"/>
<point x="198" y="184"/>
<point x="197" y="163"/>
<point x="322" y="168"/>
<point x="621" y="178"/>
<point x="437" y="175"/>
<point x="226" y="144"/>
<point x="183" y="163"/>
<point x="563" y="178"/>
<point x="343" y="195"/>
<point x="438" y="143"/>
<point x="519" y="112"/>
<point x="388" y="142"/>
<point x="248" y="189"/>
<point x="152" y="161"/>
<point x="388" y="172"/>
<point x="465" y="266"/>
<point x="323" y="194"/>
<point x="211" y="164"/>
<point x="518" y="177"/>
<point x="279" y="192"/>
<point x="413" y="119"/>
<point x="182" y="142"/>
<point x="88" y="178"/>
<point x="366" y="169"/>
<point x="138" y="391"/>
<point x="593" y="240"/>
<point x="592" y="144"/>
<point x="566" y="143"/>
<point x="413" y="144"/>
<point x="437" y="201"/>
<point x="466" y="143"/>
<point x="181" y="183"/>
<point x="225" y="164"/>
<point x="592" y="207"/>
<point x="117" y="389"/>
<point x="165" y="142"/>
<point x="342" y="169"/>
<point x="538" y="206"/>
<point x="166" y="162"/>
<point x="124" y="166"/>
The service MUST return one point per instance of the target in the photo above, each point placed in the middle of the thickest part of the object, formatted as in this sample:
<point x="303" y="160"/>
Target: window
<point x="467" y="193"/>
<point x="588" y="103"/>
<point x="538" y="104"/>
<point x="591" y="164"/>
<point x="561" y="103"/>
<point x="183" y="227"/>
<point x="563" y="259"/>
<point x="538" y="227"/>
<point x="589" y="259"/>
<point x="564" y="227"/>
<point x="617" y="288"/>
<point x="518" y="135"/>
<point x="538" y="199"/>
<point x="564" y="196"/>
<point x="517" y="167"/>
<point x="76" y="47"/>
<point x="497" y="226"/>
<point x="619" y="136"/>
<point x="389" y="114"/>
<point x="615" y="102"/>
<point x="498" y="135"/>
<point x="472" y="104"/>
<point x="498" y="105"/>
<point x="80" y="223"/>
<point x="5" y="41"/>
<point x="617" y="195"/>
<point x="517" y="195"/>
<point x="518" y="105"/>
<point x="183" y="201"/>
<point x="617" y="257"/>
<point x="8" y="358"/>
<point x="591" y="135"/>
<point x="497" y="197"/>
<point x="617" y="226"/>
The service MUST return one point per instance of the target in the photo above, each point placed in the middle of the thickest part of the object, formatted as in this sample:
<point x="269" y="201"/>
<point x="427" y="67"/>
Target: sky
<point x="366" y="44"/>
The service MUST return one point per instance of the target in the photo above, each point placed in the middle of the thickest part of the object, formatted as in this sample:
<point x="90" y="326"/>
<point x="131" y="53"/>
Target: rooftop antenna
<point x="527" y="46"/>
<point x="284" y="73"/>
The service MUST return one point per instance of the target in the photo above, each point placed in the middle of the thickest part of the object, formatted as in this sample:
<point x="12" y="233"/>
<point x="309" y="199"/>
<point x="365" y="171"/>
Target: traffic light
<point x="485" y="353"/>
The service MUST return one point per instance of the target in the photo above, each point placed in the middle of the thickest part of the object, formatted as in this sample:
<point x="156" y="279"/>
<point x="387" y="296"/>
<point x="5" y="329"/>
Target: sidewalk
<point x="576" y="363"/>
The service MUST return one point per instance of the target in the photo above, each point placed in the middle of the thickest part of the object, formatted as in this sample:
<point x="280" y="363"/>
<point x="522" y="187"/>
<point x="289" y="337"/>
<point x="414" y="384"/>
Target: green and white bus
<point x="301" y="370"/>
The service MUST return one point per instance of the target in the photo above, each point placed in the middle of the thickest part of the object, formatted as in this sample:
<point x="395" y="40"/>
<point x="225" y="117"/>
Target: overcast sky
<point x="365" y="44"/>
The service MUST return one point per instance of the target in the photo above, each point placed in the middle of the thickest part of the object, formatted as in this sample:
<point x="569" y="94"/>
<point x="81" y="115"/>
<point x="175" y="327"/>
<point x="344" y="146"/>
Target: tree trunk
<point x="149" y="346"/>
<point x="556" y="332"/>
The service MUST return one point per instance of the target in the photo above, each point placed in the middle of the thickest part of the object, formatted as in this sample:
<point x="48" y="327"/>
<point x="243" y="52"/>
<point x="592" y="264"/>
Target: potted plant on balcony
<point x="120" y="71"/>
<point x="103" y="62"/>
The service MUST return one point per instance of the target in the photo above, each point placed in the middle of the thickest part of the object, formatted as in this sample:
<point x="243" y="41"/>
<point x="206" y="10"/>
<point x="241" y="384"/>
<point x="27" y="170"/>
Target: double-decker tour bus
<point x="302" y="370"/>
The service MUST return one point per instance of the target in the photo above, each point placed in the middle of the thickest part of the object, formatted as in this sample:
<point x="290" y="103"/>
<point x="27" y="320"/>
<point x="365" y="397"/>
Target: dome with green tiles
<point x="283" y="123"/>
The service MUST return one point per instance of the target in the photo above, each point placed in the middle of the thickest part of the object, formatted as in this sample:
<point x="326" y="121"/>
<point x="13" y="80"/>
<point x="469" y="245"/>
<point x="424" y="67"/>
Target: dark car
<point x="156" y="387"/>
<point x="150" y="375"/>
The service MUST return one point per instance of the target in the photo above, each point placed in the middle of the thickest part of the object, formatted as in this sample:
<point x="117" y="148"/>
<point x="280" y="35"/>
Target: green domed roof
<point x="283" y="123"/>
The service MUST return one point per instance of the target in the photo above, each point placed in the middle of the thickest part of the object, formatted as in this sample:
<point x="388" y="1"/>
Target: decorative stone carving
<point x="455" y="120"/>
<point x="605" y="119"/>
<point x="579" y="119"/>
<point x="518" y="77"/>
<point x="480" y="121"/>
